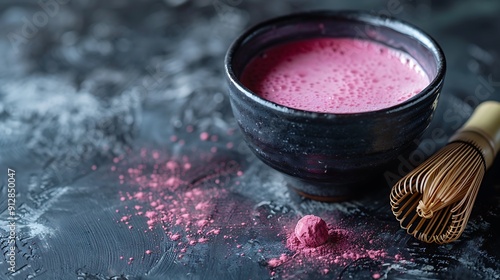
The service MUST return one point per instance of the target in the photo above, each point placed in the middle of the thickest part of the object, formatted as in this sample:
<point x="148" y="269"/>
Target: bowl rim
<point x="369" y="18"/>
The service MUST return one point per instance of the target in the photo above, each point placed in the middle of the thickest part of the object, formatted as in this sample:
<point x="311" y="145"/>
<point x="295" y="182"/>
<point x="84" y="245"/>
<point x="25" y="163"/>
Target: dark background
<point x="96" y="80"/>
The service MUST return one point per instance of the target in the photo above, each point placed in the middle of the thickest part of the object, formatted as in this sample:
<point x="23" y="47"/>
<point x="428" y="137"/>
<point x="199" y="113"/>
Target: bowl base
<point x="328" y="192"/>
<point x="323" y="198"/>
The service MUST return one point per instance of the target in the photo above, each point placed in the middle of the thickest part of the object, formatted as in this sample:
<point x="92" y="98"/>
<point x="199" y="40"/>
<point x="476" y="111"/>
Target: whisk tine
<point x="432" y="227"/>
<point x="434" y="201"/>
<point x="449" y="203"/>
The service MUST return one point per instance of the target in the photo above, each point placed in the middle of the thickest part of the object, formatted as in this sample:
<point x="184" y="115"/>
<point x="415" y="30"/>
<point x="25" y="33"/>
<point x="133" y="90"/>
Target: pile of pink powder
<point x="316" y="246"/>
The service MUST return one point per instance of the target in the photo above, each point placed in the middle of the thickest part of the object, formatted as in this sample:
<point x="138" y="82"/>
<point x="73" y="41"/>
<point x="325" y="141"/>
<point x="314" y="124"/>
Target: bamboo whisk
<point x="434" y="201"/>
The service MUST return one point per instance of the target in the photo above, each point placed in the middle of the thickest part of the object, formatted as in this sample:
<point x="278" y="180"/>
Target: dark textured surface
<point x="99" y="80"/>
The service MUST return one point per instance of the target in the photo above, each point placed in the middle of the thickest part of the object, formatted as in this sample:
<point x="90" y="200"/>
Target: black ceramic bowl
<point x="333" y="156"/>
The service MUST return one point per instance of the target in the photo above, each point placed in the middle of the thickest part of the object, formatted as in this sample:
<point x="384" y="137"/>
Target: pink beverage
<point x="335" y="75"/>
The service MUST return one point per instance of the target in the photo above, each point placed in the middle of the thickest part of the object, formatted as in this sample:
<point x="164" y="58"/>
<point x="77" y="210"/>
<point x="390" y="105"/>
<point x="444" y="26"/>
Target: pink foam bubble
<point x="335" y="75"/>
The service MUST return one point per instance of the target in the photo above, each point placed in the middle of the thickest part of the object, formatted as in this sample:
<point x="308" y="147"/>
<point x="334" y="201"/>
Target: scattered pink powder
<point x="175" y="237"/>
<point x="204" y="136"/>
<point x="155" y="155"/>
<point x="203" y="240"/>
<point x="171" y="193"/>
<point x="125" y="219"/>
<point x="168" y="192"/>
<point x="311" y="231"/>
<point x="278" y="261"/>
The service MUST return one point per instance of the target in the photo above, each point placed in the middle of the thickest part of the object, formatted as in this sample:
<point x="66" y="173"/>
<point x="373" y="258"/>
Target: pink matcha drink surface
<point x="334" y="75"/>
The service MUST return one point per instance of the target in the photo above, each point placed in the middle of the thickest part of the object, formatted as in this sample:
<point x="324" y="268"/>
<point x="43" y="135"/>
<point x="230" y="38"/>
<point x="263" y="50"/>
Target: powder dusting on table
<point x="181" y="195"/>
<point x="170" y="193"/>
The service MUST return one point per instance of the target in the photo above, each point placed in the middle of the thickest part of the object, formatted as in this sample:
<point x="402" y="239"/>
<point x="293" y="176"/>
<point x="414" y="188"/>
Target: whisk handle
<point x="482" y="130"/>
